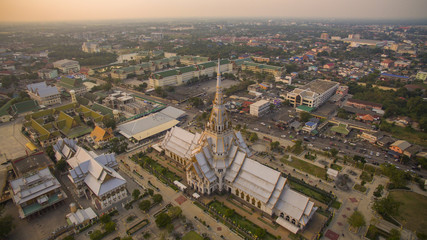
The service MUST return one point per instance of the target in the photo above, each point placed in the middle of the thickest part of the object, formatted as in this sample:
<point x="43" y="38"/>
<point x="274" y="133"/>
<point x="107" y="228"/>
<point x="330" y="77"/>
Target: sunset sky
<point x="71" y="10"/>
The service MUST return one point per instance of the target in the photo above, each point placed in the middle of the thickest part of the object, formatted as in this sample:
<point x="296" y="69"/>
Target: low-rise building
<point x="67" y="66"/>
<point x="75" y="84"/>
<point x="47" y="73"/>
<point x="399" y="146"/>
<point x="44" y="94"/>
<point x="313" y="94"/>
<point x="263" y="68"/>
<point x="179" y="76"/>
<point x="361" y="104"/>
<point x="80" y="218"/>
<point x="35" y="192"/>
<point x="101" y="136"/>
<point x="94" y="176"/>
<point x="259" y="108"/>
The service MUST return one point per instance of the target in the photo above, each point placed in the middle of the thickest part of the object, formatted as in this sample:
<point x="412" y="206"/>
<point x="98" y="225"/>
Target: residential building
<point x="313" y="94"/>
<point x="35" y="192"/>
<point x="342" y="90"/>
<point x="47" y="73"/>
<point x="259" y="108"/>
<point x="399" y="146"/>
<point x="218" y="160"/>
<point x="93" y="176"/>
<point x="309" y="126"/>
<point x="44" y="94"/>
<point x="67" y="66"/>
<point x="387" y="63"/>
<point x="402" y="64"/>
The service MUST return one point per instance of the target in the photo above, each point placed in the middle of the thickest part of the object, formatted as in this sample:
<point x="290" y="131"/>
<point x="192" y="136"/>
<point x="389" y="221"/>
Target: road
<point x="369" y="151"/>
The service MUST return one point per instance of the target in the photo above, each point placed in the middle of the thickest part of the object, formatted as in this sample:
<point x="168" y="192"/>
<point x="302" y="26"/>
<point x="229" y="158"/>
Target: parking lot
<point x="12" y="141"/>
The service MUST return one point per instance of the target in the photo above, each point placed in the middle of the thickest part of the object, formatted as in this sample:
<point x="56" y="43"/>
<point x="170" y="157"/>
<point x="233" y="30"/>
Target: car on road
<point x="283" y="136"/>
<point x="262" y="123"/>
<point x="256" y="129"/>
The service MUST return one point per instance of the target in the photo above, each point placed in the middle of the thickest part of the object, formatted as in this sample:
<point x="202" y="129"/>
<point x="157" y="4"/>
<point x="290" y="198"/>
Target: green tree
<point x="110" y="227"/>
<point x="162" y="220"/>
<point x="126" y="238"/>
<point x="275" y="146"/>
<point x="379" y="191"/>
<point x="109" y="123"/>
<point x="61" y="165"/>
<point x="394" y="235"/>
<point x="105" y="218"/>
<point x="96" y="235"/>
<point x="253" y="137"/>
<point x="174" y="212"/>
<point x="356" y="220"/>
<point x="144" y="205"/>
<point x="157" y="198"/>
<point x="6" y="225"/>
<point x="304" y="116"/>
<point x="334" y="152"/>
<point x="136" y="193"/>
<point x="260" y="232"/>
<point x="50" y="152"/>
<point x="387" y="206"/>
<point x="150" y="191"/>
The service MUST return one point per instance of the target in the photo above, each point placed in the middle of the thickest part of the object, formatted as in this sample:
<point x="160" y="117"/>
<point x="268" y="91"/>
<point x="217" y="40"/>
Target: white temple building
<point x="93" y="176"/>
<point x="218" y="159"/>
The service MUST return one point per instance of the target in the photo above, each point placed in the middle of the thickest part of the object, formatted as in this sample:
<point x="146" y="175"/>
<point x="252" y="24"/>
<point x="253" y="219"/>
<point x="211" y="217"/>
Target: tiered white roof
<point x="220" y="148"/>
<point x="95" y="170"/>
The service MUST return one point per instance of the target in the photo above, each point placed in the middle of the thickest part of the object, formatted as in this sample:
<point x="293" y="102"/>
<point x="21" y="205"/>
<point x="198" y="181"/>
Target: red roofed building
<point x="386" y="63"/>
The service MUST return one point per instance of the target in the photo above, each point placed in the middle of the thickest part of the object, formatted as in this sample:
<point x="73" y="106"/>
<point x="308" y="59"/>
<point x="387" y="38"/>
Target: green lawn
<point x="323" y="198"/>
<point x="239" y="220"/>
<point x="192" y="235"/>
<point x="306" y="167"/>
<point x="413" y="211"/>
<point x="336" y="167"/>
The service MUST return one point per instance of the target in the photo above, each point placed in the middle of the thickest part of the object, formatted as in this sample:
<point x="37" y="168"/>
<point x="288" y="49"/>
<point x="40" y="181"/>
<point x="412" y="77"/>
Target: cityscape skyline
<point x="52" y="11"/>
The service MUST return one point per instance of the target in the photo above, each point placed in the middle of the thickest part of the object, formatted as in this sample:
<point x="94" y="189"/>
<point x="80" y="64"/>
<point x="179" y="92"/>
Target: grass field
<point x="410" y="135"/>
<point x="192" y="235"/>
<point x="306" y="167"/>
<point x="413" y="211"/>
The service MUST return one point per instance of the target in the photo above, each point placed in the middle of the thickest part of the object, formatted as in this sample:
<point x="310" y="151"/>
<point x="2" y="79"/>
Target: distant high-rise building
<point x="156" y="36"/>
<point x="324" y="36"/>
<point x="354" y="36"/>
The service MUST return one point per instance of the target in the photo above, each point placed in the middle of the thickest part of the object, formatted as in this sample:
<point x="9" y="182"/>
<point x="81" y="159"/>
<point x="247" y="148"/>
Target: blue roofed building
<point x="44" y="94"/>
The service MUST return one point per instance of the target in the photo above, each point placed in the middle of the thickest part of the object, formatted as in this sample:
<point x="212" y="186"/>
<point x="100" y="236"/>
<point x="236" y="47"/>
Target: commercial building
<point x="91" y="47"/>
<point x="421" y="76"/>
<point x="47" y="73"/>
<point x="123" y="101"/>
<point x="44" y="94"/>
<point x="361" y="104"/>
<point x="94" y="176"/>
<point x="35" y="192"/>
<point x="313" y="94"/>
<point x="146" y="127"/>
<point x="263" y="68"/>
<point x="67" y="66"/>
<point x="218" y="160"/>
<point x="259" y="108"/>
<point x="400" y="146"/>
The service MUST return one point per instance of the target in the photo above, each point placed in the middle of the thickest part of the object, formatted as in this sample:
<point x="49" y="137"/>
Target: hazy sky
<point x="66" y="10"/>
